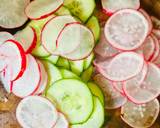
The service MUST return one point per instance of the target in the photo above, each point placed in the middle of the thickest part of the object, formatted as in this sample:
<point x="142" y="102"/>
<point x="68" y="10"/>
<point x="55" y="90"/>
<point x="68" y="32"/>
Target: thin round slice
<point x="27" y="38"/>
<point x="119" y="68"/>
<point x="12" y="13"/>
<point x="113" y="98"/>
<point x="140" y="116"/>
<point x="126" y="29"/>
<point x="62" y="122"/>
<point x="148" y="89"/>
<point x="110" y="6"/>
<point x="118" y="86"/>
<point x="73" y="98"/>
<point x="36" y="112"/>
<point x="39" y="9"/>
<point x="5" y="36"/>
<point x="29" y="82"/>
<point x="156" y="32"/>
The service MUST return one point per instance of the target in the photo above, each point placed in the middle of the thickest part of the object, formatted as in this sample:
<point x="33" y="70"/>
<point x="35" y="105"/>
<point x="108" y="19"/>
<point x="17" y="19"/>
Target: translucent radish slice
<point x="12" y="13"/>
<point x="110" y="6"/>
<point x="30" y="80"/>
<point x="113" y="98"/>
<point x="36" y="112"/>
<point x="86" y="45"/>
<point x="156" y="22"/>
<point x="119" y="68"/>
<point x="27" y="38"/>
<point x="61" y="122"/>
<point x="148" y="19"/>
<point x="157" y="61"/>
<point x="140" y="116"/>
<point x="5" y="36"/>
<point x="15" y="57"/>
<point x="103" y="48"/>
<point x="51" y="30"/>
<point x="39" y="9"/>
<point x="148" y="89"/>
<point x="156" y="32"/>
<point x="44" y="79"/>
<point x="66" y="35"/>
<point x="126" y="29"/>
<point x="119" y="87"/>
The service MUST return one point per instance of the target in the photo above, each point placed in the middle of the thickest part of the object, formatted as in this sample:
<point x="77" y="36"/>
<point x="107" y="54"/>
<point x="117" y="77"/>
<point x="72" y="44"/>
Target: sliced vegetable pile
<point x="49" y="63"/>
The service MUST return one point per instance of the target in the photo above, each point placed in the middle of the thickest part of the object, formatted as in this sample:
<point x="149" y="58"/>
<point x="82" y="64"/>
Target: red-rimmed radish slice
<point x="118" y="86"/>
<point x="27" y="38"/>
<point x="157" y="61"/>
<point x="5" y="36"/>
<point x="12" y="13"/>
<point x="113" y="98"/>
<point x="44" y="79"/>
<point x="148" y="89"/>
<point x="140" y="116"/>
<point x="110" y="6"/>
<point x="126" y="29"/>
<point x="86" y="45"/>
<point x="61" y="122"/>
<point x="119" y="68"/>
<point x="156" y="32"/>
<point x="148" y="19"/>
<point x="104" y="49"/>
<point x="51" y="30"/>
<point x="29" y="82"/>
<point x="15" y="57"/>
<point x="36" y="112"/>
<point x="39" y="9"/>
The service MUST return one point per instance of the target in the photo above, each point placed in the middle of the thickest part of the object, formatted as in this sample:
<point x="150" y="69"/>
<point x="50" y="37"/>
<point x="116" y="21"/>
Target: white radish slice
<point x="30" y="80"/>
<point x="104" y="49"/>
<point x="113" y="98"/>
<point x="61" y="122"/>
<point x="156" y="32"/>
<point x="15" y="57"/>
<point x="148" y="19"/>
<point x="140" y="116"/>
<point x="44" y="79"/>
<point x="12" y="13"/>
<point x="110" y="6"/>
<point x="118" y="86"/>
<point x="86" y="40"/>
<point x="126" y="29"/>
<point x="148" y="89"/>
<point x="36" y="112"/>
<point x="27" y="38"/>
<point x="5" y="36"/>
<point x="119" y="68"/>
<point x="51" y="30"/>
<point x="39" y="9"/>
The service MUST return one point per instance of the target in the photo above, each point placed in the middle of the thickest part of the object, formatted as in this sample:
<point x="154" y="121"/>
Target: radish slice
<point x="156" y="22"/>
<point x="61" y="122"/>
<point x="51" y="30"/>
<point x="156" y="32"/>
<point x="44" y="79"/>
<point x="110" y="6"/>
<point x="118" y="86"/>
<point x="119" y="68"/>
<point x="15" y="56"/>
<point x="27" y="38"/>
<point x="113" y="98"/>
<point x="39" y="9"/>
<point x="126" y="29"/>
<point x="104" y="49"/>
<point x="30" y="80"/>
<point x="148" y="89"/>
<point x="86" y="42"/>
<point x="148" y="19"/>
<point x="36" y="112"/>
<point x="12" y="13"/>
<point x="140" y="116"/>
<point x="5" y="36"/>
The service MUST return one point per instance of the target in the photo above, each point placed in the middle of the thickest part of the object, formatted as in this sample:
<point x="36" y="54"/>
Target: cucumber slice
<point x="96" y="91"/>
<point x="63" y="63"/>
<point x="94" y="26"/>
<point x="87" y="74"/>
<point x="77" y="66"/>
<point x="74" y="99"/>
<point x="66" y="74"/>
<point x="88" y="61"/>
<point x="97" y="118"/>
<point x="80" y="8"/>
<point x="52" y="58"/>
<point x="63" y="11"/>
